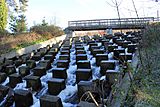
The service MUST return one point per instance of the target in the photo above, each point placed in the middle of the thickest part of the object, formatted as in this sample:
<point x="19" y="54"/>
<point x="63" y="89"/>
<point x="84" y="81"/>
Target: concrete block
<point x="3" y="77"/>
<point x="87" y="104"/>
<point x="113" y="76"/>
<point x="23" y="98"/>
<point x="80" y="52"/>
<point x="66" y="52"/>
<point x="64" y="57"/>
<point x="34" y="82"/>
<point x="39" y="71"/>
<point x="8" y="62"/>
<point x="10" y="69"/>
<point x="81" y="57"/>
<point x="112" y="47"/>
<point x="83" y="74"/>
<point x="3" y="91"/>
<point x="49" y="57"/>
<point x="97" y="51"/>
<point x="62" y="63"/>
<point x="106" y="65"/>
<point x="84" y="86"/>
<point x="24" y="70"/>
<point x="100" y="57"/>
<point x="79" y="48"/>
<point x="45" y="63"/>
<point x="14" y="79"/>
<point x="117" y="52"/>
<point x="31" y="63"/>
<point x="55" y="86"/>
<point x="50" y="101"/>
<point x="131" y="48"/>
<point x="36" y="57"/>
<point x="125" y="57"/>
<point x="51" y="52"/>
<point x="59" y="73"/>
<point x="18" y="62"/>
<point x="83" y="64"/>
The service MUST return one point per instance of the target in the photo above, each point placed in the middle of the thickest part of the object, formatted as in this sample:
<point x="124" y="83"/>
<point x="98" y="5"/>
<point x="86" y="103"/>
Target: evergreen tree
<point x="3" y="14"/>
<point x="44" y="23"/>
<point x="17" y="16"/>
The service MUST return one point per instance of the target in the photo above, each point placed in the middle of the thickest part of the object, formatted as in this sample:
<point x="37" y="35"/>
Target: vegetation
<point x="20" y="37"/>
<point x="144" y="91"/>
<point x="3" y="15"/>
<point x="11" y="42"/>
<point x="18" y="18"/>
<point x="47" y="30"/>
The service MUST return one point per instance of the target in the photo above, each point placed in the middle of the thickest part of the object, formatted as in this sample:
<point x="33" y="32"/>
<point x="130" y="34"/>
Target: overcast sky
<point x="59" y="12"/>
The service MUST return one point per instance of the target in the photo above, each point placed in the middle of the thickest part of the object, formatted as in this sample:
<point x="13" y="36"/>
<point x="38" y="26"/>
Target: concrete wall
<point x="29" y="49"/>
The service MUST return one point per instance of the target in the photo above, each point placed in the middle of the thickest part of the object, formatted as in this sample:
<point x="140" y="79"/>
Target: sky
<point x="59" y="12"/>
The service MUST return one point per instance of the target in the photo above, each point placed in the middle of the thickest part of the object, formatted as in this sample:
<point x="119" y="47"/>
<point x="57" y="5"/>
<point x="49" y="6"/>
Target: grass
<point x="11" y="42"/>
<point x="144" y="90"/>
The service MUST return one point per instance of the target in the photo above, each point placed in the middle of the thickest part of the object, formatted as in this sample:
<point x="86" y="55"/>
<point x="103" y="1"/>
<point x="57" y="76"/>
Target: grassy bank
<point x="14" y="42"/>
<point x="39" y="33"/>
<point x="144" y="90"/>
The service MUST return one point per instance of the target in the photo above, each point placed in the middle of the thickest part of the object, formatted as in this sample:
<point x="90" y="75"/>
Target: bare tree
<point x="116" y="5"/>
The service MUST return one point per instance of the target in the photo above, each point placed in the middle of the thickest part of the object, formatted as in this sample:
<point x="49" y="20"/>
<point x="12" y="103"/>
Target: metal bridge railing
<point x="111" y="22"/>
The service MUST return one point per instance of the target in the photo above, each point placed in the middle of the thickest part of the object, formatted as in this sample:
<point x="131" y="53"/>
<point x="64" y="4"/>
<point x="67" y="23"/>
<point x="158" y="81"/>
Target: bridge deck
<point x="102" y="24"/>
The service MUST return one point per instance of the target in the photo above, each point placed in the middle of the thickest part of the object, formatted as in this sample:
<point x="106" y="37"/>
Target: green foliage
<point x="44" y="23"/>
<point x="17" y="17"/>
<point x="3" y="14"/>
<point x="47" y="30"/>
<point x="144" y="91"/>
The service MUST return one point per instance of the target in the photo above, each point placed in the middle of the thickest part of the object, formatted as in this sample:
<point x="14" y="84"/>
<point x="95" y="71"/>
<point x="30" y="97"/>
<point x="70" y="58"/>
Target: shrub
<point x="48" y="30"/>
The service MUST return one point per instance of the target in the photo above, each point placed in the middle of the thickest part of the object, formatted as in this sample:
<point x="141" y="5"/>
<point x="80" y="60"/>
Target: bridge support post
<point x="109" y="31"/>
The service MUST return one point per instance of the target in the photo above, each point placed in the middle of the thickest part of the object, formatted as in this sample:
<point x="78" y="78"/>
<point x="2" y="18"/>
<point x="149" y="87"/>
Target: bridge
<point x="115" y="24"/>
